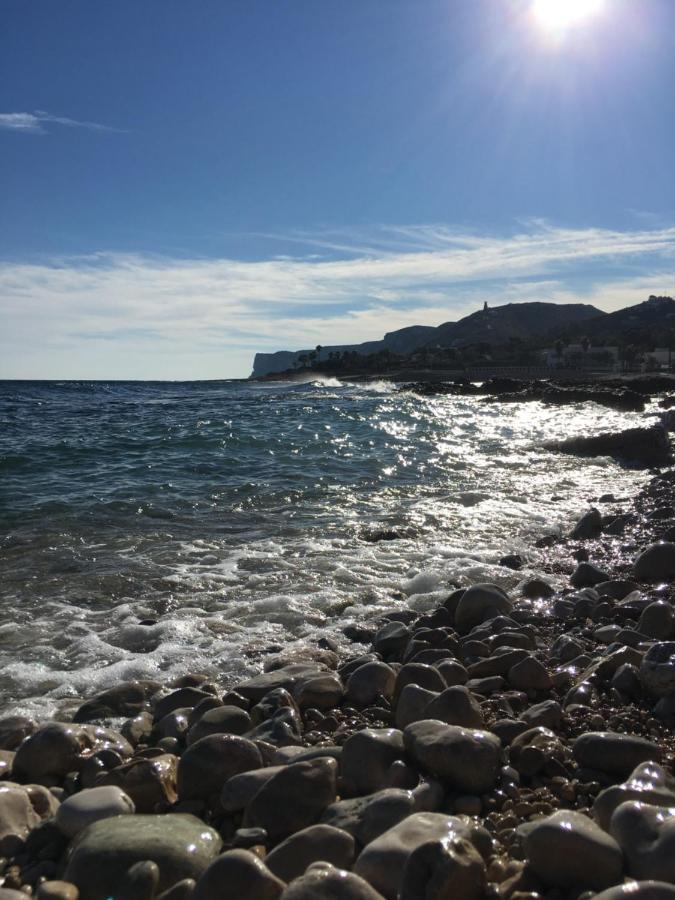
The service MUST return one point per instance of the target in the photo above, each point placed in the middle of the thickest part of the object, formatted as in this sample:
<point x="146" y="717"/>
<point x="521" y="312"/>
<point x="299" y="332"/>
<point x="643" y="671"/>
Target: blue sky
<point x="183" y="184"/>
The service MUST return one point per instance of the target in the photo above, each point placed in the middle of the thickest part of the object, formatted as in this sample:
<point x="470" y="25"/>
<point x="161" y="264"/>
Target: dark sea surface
<point x="233" y="515"/>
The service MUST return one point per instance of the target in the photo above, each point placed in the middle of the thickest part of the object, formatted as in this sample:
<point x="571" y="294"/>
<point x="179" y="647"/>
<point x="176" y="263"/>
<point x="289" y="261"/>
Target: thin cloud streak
<point x="34" y="123"/>
<point x="128" y="304"/>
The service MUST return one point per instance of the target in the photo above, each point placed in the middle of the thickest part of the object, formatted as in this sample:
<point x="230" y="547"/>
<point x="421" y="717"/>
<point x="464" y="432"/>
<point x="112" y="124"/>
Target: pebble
<point x="88" y="806"/>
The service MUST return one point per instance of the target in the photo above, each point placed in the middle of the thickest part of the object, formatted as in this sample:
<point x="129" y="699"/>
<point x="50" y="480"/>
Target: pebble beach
<point x="509" y="743"/>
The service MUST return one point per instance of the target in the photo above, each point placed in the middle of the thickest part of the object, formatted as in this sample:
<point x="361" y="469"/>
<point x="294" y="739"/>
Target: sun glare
<point x="558" y="16"/>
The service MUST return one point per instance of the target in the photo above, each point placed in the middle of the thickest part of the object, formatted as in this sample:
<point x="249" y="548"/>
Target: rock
<point x="367" y="757"/>
<point x="657" y="669"/>
<point x="447" y="868"/>
<point x="587" y="575"/>
<point x="530" y="674"/>
<point x="638" y="890"/>
<point x="221" y="720"/>
<point x="240" y="874"/>
<point x="206" y="765"/>
<point x="456" y="706"/>
<point x="383" y="861"/>
<point x="643" y="447"/>
<point x="239" y="790"/>
<point x="567" y="849"/>
<point x="286" y="677"/>
<point x="292" y="857"/>
<point x="479" y="603"/>
<point x="57" y="890"/>
<point x="56" y="749"/>
<point x="17" y="817"/>
<point x="656" y="620"/>
<point x="656" y="563"/>
<point x="648" y="783"/>
<point x="14" y="729"/>
<point x="101" y="855"/>
<point x="293" y="798"/>
<point x="370" y="681"/>
<point x="324" y="882"/>
<point x="465" y="759"/>
<point x="151" y="783"/>
<point x="589" y="526"/>
<point x="85" y="807"/>
<point x="323" y="691"/>
<point x="646" y="835"/>
<point x="617" y="754"/>
<point x="126" y="699"/>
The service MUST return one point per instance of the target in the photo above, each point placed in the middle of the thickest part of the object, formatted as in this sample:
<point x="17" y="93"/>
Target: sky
<point x="183" y="185"/>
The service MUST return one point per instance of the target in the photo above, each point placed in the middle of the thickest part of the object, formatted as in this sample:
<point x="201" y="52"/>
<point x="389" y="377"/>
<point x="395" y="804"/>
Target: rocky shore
<point x="505" y="746"/>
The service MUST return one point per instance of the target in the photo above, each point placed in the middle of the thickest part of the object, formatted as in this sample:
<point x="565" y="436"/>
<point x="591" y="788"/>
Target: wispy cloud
<point x="146" y="316"/>
<point x="37" y="122"/>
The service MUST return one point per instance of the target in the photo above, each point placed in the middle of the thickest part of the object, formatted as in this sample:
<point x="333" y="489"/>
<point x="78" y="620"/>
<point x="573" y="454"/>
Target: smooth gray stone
<point x="181" y="845"/>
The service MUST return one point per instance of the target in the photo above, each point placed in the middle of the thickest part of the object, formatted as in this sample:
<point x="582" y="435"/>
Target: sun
<point x="558" y="16"/>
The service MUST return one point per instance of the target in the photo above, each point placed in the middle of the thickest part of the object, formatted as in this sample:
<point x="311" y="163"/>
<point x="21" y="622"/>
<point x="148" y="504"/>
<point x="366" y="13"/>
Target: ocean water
<point x="231" y="517"/>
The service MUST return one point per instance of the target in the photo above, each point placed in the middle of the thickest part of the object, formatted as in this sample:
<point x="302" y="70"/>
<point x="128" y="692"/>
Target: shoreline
<point x="448" y="727"/>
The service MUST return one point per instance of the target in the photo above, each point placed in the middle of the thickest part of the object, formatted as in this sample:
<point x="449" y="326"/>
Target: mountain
<point x="525" y="321"/>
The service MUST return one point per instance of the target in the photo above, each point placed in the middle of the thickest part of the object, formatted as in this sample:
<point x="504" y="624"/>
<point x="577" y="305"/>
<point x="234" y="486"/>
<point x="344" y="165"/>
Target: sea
<point x="149" y="529"/>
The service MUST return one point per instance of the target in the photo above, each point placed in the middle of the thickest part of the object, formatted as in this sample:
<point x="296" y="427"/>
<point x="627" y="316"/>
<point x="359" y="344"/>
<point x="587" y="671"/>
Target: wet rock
<point x="126" y="699"/>
<point x="368" y="682"/>
<point x="323" y="691"/>
<point x="240" y="874"/>
<point x="657" y="669"/>
<point x="587" y="575"/>
<point x="648" y="783"/>
<point x="17" y="817"/>
<point x="568" y="850"/>
<point x="479" y="603"/>
<point x="367" y="757"/>
<point x="447" y="868"/>
<point x="291" y="858"/>
<point x="56" y="749"/>
<point x="220" y="720"/>
<point x="99" y="858"/>
<point x="646" y="835"/>
<point x="656" y="620"/>
<point x="206" y="765"/>
<point x="14" y="730"/>
<point x="465" y="759"/>
<point x="588" y="526"/>
<point x="286" y="677"/>
<point x="382" y="863"/>
<point x="85" y="807"/>
<point x="151" y="783"/>
<point x="294" y="798"/>
<point x="324" y="882"/>
<point x="656" y="563"/>
<point x="617" y="754"/>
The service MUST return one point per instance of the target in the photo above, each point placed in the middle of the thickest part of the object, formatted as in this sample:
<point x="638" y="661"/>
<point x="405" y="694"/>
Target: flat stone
<point x="370" y="681"/>
<point x="657" y="669"/>
<point x="241" y="874"/>
<point x="324" y="882"/>
<point x="367" y="757"/>
<point x="85" y="807"/>
<point x="150" y="783"/>
<point x="100" y="856"/>
<point x="465" y="759"/>
<point x="646" y="834"/>
<point x="478" y="603"/>
<point x="221" y="720"/>
<point x="292" y="857"/>
<point x="569" y="850"/>
<point x="206" y="765"/>
<point x="447" y="868"/>
<point x="615" y="753"/>
<point x="382" y="863"/>
<point x="656" y="563"/>
<point x="293" y="798"/>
